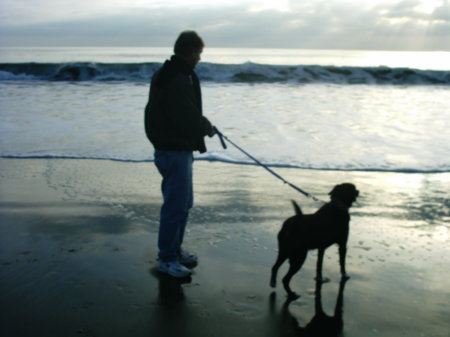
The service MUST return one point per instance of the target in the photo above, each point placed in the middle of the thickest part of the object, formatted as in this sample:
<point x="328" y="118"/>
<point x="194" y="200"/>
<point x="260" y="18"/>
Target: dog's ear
<point x="333" y="191"/>
<point x="336" y="191"/>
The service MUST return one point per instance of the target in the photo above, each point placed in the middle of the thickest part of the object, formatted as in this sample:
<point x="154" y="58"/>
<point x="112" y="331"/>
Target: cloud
<point x="307" y="24"/>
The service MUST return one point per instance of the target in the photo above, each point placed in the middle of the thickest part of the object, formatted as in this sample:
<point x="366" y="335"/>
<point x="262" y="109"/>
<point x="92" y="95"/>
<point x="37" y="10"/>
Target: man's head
<point x="189" y="46"/>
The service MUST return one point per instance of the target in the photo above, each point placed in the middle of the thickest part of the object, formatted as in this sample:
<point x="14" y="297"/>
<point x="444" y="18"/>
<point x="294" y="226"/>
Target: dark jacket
<point x="173" y="115"/>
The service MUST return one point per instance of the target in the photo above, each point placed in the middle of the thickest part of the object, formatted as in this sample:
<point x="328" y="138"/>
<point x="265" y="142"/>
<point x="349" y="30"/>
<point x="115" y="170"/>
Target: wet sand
<point x="78" y="253"/>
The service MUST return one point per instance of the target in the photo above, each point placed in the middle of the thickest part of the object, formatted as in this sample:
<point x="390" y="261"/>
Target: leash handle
<point x="216" y="131"/>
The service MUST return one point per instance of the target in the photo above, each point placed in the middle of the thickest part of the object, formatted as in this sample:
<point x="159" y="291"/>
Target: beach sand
<point x="78" y="253"/>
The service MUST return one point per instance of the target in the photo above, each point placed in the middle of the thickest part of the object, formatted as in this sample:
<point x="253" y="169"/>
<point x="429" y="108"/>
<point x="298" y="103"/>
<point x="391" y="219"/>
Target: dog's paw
<point x="273" y="282"/>
<point x="322" y="279"/>
<point x="292" y="296"/>
<point x="345" y="277"/>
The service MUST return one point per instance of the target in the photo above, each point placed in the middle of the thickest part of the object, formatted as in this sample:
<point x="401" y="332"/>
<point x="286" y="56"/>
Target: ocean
<point x="316" y="109"/>
<point x="80" y="197"/>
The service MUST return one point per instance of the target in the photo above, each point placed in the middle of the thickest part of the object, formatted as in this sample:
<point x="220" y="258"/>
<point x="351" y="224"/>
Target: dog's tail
<point x="298" y="211"/>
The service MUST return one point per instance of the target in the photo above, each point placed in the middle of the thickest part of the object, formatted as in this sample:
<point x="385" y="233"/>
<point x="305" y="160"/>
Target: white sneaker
<point x="188" y="258"/>
<point x="174" y="269"/>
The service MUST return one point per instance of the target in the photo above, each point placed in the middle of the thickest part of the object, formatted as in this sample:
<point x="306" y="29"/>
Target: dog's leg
<point x="319" y="277"/>
<point x="342" y="255"/>
<point x="282" y="256"/>
<point x="296" y="263"/>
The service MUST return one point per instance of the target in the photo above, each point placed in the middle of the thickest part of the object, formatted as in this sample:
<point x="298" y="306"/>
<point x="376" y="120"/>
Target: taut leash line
<point x="222" y="137"/>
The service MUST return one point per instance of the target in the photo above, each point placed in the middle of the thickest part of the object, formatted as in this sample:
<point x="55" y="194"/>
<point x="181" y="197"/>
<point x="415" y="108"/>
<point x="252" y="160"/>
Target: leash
<point x="222" y="138"/>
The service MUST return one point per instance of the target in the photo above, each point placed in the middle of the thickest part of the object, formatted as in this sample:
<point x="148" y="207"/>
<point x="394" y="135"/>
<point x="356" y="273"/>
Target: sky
<point x="307" y="24"/>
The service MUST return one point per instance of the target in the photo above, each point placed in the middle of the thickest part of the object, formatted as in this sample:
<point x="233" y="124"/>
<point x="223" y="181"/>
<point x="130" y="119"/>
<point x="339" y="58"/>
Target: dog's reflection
<point x="323" y="325"/>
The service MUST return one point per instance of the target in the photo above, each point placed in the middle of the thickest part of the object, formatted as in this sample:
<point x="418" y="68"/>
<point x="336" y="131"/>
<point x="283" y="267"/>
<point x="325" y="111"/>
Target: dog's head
<point x="345" y="193"/>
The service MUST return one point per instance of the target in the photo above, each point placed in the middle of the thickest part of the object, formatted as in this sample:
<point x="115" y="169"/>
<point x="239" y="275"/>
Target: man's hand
<point x="211" y="131"/>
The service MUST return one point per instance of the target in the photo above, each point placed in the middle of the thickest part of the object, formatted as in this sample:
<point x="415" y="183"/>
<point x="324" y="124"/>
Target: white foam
<point x="327" y="126"/>
<point x="9" y="76"/>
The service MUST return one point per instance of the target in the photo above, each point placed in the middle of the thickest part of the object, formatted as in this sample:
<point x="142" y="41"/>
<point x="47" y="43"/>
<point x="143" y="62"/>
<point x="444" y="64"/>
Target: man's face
<point x="194" y="57"/>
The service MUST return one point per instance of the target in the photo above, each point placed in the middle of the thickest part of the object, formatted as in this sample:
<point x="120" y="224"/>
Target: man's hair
<point x="187" y="42"/>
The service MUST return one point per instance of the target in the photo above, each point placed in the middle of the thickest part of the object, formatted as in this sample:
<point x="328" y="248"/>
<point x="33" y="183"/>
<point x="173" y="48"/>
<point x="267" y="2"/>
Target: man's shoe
<point x="174" y="268"/>
<point x="187" y="258"/>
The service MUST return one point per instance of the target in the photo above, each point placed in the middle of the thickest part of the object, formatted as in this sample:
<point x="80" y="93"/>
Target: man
<point x="176" y="127"/>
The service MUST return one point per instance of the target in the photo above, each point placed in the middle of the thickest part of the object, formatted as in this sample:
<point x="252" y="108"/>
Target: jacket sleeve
<point x="182" y="109"/>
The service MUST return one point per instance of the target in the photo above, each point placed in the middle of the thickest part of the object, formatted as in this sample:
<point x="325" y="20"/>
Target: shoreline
<point x="214" y="159"/>
<point x="78" y="252"/>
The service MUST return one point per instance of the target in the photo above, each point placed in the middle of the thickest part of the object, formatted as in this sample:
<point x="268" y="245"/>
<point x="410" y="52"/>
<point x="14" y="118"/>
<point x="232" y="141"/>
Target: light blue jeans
<point x="176" y="171"/>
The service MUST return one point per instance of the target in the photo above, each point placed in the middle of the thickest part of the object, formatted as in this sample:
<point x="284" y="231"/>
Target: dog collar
<point x="339" y="204"/>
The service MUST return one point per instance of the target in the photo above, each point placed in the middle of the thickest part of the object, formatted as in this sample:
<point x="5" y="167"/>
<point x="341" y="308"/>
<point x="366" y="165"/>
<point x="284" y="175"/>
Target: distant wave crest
<point x="224" y="73"/>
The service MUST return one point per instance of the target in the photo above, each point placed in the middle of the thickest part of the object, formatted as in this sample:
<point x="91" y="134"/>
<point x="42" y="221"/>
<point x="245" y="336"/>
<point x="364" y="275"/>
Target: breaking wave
<point x="223" y="73"/>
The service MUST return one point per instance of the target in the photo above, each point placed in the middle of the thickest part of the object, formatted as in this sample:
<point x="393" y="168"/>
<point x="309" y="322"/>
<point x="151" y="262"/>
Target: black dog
<point x="300" y="233"/>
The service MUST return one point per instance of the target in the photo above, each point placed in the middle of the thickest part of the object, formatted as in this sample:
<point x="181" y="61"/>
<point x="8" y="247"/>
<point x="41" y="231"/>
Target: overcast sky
<point x="323" y="24"/>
